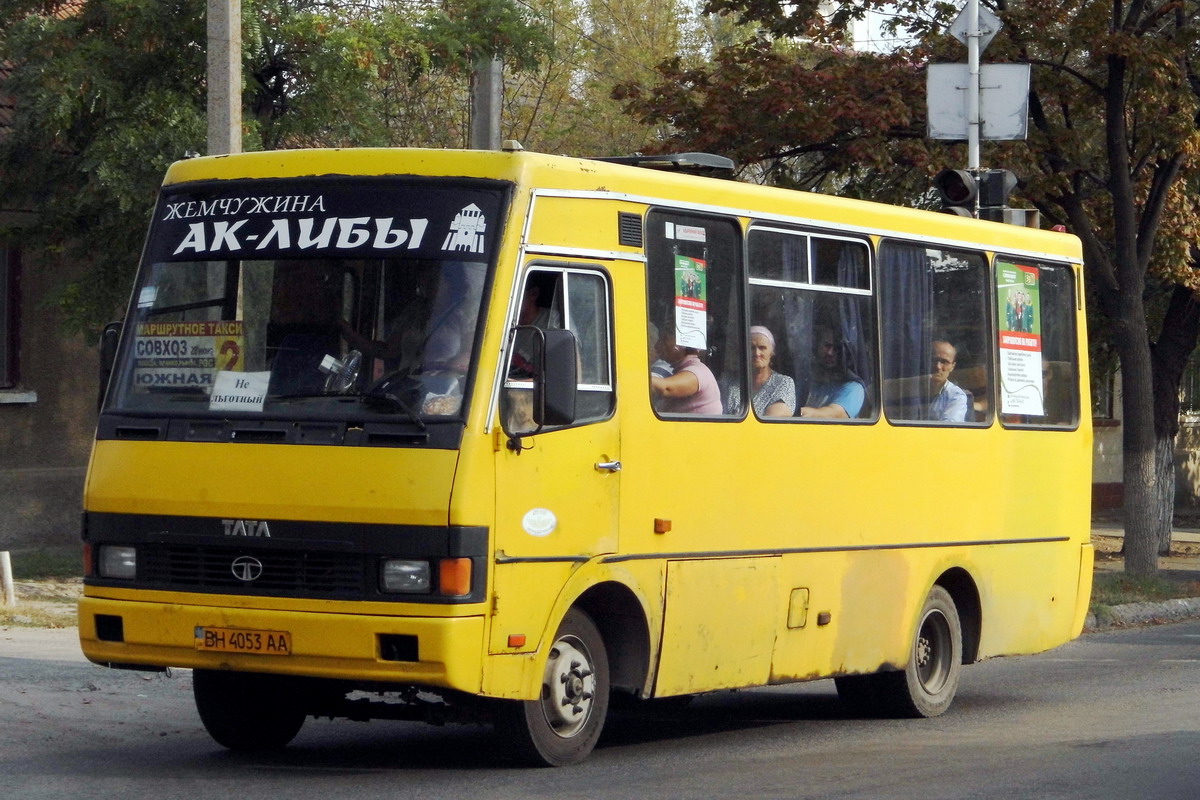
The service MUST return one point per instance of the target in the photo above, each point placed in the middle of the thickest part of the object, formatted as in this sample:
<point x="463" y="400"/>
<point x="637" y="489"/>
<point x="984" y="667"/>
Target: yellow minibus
<point x="456" y="435"/>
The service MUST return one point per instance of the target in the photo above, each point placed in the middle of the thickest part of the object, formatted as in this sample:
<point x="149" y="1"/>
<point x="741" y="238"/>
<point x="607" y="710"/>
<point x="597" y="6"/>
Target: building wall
<point x="1187" y="463"/>
<point x="47" y="420"/>
<point x="1108" y="487"/>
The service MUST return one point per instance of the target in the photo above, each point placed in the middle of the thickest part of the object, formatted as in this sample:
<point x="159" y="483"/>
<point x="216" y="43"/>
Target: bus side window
<point x="936" y="362"/>
<point x="1039" y="369"/>
<point x="813" y="294"/>
<point x="693" y="285"/>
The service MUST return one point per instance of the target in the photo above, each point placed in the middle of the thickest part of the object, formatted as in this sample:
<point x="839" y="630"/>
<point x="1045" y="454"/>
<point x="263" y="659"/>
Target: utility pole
<point x="487" y="94"/>
<point x="224" y="77"/>
<point x="974" y="121"/>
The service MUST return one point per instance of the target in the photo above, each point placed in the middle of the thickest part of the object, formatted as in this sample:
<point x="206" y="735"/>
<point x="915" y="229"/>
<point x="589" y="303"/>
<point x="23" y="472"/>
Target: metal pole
<point x="224" y="77"/>
<point x="487" y="94"/>
<point x="973" y="118"/>
<point x="6" y="579"/>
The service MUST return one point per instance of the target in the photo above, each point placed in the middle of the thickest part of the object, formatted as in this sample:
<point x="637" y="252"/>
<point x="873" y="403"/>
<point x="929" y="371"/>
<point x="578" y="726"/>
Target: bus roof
<point x="548" y="173"/>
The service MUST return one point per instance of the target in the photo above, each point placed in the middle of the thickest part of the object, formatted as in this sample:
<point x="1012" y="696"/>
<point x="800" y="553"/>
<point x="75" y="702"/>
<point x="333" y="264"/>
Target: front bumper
<point x="448" y="652"/>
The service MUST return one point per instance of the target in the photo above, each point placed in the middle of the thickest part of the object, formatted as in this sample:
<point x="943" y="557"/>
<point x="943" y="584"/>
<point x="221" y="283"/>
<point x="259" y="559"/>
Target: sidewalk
<point x="1182" y="565"/>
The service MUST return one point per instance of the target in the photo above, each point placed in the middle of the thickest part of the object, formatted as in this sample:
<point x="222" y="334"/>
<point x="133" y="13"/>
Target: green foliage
<point x="1118" y="588"/>
<point x="565" y="106"/>
<point x="465" y="31"/>
<point x="109" y="92"/>
<point x="46" y="563"/>
<point x="108" y="97"/>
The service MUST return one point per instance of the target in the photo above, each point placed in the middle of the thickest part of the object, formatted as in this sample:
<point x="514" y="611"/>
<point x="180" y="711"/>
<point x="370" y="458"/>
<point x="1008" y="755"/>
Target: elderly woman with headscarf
<point x="774" y="393"/>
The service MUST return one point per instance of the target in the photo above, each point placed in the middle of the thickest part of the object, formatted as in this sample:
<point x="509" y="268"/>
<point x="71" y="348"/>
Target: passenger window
<point x="936" y="342"/>
<point x="1039" y="371"/>
<point x="812" y="332"/>
<point x="551" y="299"/>
<point x="696" y="338"/>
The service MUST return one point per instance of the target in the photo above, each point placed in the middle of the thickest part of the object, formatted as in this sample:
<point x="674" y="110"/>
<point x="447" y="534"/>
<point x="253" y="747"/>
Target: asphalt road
<point x="1112" y="715"/>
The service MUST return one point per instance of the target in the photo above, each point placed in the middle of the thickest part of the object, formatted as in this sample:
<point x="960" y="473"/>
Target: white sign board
<point x="239" y="391"/>
<point x="1003" y="100"/>
<point x="989" y="26"/>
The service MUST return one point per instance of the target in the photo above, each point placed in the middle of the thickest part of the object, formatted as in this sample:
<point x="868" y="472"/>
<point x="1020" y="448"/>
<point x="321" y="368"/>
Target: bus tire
<point x="563" y="725"/>
<point x="247" y="712"/>
<point x="929" y="681"/>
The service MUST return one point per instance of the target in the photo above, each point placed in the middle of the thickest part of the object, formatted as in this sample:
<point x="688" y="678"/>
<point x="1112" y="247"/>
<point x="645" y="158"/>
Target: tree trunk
<point x="1163" y="509"/>
<point x="1143" y="519"/>
<point x="1168" y="359"/>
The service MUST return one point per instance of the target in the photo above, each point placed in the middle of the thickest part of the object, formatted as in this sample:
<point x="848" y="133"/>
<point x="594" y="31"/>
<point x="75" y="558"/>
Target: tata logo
<point x="247" y="527"/>
<point x="246" y="568"/>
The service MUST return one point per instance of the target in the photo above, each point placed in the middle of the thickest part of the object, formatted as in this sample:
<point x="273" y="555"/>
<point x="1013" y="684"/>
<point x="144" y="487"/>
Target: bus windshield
<point x="336" y="303"/>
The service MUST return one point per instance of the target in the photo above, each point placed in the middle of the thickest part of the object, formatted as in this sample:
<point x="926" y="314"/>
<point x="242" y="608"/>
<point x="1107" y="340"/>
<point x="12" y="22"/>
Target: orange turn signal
<point x="454" y="577"/>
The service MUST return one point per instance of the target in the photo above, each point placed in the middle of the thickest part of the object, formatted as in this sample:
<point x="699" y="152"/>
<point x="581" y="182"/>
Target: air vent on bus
<point x="629" y="229"/>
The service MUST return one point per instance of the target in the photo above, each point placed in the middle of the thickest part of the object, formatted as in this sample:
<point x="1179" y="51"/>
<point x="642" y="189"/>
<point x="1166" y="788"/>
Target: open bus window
<point x="553" y="298"/>
<point x="813" y="295"/>
<point x="936" y="340"/>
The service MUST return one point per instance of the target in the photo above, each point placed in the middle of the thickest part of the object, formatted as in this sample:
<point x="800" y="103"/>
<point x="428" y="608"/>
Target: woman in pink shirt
<point x="692" y="389"/>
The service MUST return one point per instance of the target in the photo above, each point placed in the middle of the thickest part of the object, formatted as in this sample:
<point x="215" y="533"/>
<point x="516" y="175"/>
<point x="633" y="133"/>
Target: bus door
<point x="557" y="487"/>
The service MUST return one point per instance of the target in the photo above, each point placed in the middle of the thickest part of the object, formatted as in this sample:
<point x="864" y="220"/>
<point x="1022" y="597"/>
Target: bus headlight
<point x="405" y="576"/>
<point x="118" y="562"/>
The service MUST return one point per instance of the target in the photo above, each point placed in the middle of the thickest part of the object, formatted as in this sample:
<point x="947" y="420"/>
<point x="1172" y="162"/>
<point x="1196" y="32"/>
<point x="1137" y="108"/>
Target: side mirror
<point x="542" y="386"/>
<point x="554" y="388"/>
<point x="110" y="337"/>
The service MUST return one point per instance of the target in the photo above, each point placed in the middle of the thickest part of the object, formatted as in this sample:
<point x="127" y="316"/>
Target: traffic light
<point x="995" y="185"/>
<point x="958" y="191"/>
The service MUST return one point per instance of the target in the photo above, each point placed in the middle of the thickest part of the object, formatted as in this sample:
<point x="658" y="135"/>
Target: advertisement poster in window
<point x="186" y="354"/>
<point x="691" y="302"/>
<point x="1021" y="390"/>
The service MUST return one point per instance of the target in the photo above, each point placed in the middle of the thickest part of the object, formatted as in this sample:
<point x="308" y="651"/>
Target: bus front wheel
<point x="247" y="712"/>
<point x="563" y="725"/>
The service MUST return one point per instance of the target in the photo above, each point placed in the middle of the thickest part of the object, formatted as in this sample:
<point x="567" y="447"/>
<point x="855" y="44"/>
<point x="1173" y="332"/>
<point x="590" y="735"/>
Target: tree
<point x="109" y="92"/>
<point x="565" y="106"/>
<point x="1114" y="132"/>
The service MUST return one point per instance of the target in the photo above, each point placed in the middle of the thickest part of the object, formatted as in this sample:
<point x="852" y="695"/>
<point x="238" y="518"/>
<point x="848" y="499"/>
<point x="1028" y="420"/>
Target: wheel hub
<point x="568" y="688"/>
<point x="933" y="652"/>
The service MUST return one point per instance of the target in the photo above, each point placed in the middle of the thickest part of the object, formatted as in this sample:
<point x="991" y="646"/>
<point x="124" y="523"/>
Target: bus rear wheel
<point x="247" y="712"/>
<point x="927" y="684"/>
<point x="929" y="681"/>
<point x="563" y="725"/>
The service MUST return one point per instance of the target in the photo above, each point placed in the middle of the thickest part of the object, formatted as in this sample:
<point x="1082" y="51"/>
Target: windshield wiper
<point x="390" y="402"/>
<point x="376" y="400"/>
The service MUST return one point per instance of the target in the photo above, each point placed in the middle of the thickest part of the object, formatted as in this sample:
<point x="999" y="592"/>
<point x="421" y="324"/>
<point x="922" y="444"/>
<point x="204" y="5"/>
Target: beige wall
<point x="47" y="422"/>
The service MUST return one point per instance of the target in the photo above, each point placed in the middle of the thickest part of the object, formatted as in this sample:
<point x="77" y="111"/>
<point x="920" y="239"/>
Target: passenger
<point x="835" y="392"/>
<point x="949" y="402"/>
<point x="692" y="389"/>
<point x="659" y="366"/>
<point x="774" y="392"/>
<point x="531" y="314"/>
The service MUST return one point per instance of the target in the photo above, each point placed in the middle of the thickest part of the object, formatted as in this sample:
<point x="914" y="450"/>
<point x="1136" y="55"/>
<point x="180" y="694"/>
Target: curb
<point x="1142" y="614"/>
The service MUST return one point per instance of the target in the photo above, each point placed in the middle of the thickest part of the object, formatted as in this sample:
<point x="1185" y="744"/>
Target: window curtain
<point x="798" y="313"/>
<point x="906" y="295"/>
<point x="856" y="327"/>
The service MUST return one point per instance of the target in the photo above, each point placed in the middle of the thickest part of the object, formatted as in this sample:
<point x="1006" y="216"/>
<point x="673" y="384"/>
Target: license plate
<point x="244" y="640"/>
